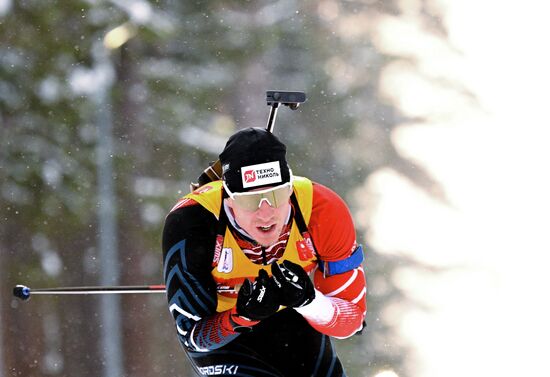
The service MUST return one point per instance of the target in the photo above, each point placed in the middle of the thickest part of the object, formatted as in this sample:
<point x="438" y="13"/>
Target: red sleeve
<point x="333" y="233"/>
<point x="331" y="225"/>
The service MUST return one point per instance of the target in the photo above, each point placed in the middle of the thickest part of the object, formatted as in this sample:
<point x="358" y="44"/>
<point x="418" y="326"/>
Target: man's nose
<point x="265" y="209"/>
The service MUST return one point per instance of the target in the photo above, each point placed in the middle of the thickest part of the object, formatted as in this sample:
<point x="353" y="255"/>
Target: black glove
<point x="258" y="300"/>
<point x="296" y="289"/>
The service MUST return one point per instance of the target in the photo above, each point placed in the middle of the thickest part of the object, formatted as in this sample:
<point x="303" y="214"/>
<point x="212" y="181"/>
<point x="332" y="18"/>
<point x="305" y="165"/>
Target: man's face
<point x="264" y="224"/>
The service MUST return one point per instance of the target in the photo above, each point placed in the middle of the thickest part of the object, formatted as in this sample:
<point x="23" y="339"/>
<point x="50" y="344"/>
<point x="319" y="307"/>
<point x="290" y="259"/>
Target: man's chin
<point x="266" y="241"/>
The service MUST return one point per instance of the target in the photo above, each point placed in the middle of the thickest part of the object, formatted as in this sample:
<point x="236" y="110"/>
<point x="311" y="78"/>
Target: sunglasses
<point x="252" y="200"/>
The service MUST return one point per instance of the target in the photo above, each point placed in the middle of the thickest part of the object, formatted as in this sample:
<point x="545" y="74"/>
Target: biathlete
<point x="238" y="255"/>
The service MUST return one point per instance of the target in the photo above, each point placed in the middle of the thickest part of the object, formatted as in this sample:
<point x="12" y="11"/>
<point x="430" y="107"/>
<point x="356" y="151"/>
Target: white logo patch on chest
<point x="225" y="265"/>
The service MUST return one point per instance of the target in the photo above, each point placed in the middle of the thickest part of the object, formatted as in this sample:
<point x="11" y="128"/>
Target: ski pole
<point x="24" y="293"/>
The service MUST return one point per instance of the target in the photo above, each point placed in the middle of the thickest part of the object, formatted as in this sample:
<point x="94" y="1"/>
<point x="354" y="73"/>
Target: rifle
<point x="274" y="98"/>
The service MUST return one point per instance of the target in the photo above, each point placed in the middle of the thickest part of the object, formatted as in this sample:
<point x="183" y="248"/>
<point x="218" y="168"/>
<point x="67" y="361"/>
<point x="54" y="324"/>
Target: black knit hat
<point x="254" y="158"/>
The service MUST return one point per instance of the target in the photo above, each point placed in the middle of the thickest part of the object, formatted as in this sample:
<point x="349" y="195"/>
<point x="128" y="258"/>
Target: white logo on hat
<point x="261" y="174"/>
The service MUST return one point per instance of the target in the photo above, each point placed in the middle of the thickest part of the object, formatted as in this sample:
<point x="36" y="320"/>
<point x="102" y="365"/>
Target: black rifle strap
<point x="300" y="222"/>
<point x="222" y="217"/>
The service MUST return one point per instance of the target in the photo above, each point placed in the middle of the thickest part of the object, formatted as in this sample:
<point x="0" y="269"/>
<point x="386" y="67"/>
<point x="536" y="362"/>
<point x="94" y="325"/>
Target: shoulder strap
<point x="220" y="231"/>
<point x="222" y="217"/>
<point x="300" y="222"/>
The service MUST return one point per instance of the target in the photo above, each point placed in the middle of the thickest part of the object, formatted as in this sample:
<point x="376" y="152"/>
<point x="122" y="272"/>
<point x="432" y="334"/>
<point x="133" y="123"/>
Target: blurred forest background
<point x="171" y="80"/>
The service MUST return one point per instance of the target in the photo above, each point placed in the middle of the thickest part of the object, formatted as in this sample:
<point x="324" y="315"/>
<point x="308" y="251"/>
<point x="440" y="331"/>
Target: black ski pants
<point x="284" y="345"/>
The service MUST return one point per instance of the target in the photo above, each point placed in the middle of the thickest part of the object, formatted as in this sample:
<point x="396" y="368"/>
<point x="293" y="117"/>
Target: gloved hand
<point x="296" y="289"/>
<point x="258" y="300"/>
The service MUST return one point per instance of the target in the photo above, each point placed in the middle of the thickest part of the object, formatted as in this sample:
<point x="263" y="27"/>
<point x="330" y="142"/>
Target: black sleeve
<point x="188" y="248"/>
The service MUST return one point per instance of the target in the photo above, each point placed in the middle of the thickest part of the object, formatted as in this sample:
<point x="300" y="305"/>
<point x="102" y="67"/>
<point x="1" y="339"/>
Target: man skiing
<point x="237" y="257"/>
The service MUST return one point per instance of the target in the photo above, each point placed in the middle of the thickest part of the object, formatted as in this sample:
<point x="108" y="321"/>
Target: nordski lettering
<point x="216" y="370"/>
